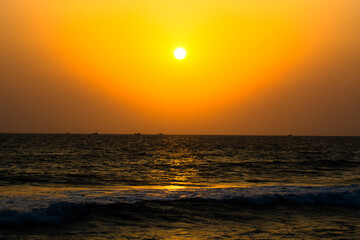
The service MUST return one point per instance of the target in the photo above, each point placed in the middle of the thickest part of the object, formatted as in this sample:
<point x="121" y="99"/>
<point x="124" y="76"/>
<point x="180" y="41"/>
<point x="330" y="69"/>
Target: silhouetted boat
<point x="94" y="133"/>
<point x="137" y="133"/>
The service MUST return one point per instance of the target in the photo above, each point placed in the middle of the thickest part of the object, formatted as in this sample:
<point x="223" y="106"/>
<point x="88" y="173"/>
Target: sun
<point x="180" y="53"/>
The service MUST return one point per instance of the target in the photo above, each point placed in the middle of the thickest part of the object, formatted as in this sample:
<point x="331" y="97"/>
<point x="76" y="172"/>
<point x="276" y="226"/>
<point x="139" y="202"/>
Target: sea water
<point x="179" y="187"/>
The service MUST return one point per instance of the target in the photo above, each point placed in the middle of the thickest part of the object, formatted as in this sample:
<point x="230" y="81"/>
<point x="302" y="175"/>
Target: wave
<point x="56" y="213"/>
<point x="80" y="203"/>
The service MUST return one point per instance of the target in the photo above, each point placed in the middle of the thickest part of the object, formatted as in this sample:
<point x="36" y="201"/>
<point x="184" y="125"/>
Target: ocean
<point x="73" y="186"/>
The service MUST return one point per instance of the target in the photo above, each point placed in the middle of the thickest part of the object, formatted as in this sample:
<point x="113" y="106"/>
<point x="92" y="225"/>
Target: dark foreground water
<point x="179" y="187"/>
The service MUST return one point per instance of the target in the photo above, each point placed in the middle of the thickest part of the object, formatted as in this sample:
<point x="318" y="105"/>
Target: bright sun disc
<point x="180" y="53"/>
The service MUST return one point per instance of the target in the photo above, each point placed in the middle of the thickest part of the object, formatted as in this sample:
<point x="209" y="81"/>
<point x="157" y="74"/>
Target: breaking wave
<point x="79" y="204"/>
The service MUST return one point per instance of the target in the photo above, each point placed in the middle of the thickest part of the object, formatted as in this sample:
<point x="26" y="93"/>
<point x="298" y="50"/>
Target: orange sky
<point x="252" y="67"/>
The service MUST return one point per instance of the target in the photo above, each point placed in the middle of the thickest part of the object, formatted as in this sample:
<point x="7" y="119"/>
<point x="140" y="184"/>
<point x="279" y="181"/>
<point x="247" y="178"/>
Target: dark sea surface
<point x="179" y="187"/>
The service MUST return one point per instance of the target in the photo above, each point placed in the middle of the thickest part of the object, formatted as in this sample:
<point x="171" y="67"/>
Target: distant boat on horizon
<point x="137" y="133"/>
<point x="94" y="133"/>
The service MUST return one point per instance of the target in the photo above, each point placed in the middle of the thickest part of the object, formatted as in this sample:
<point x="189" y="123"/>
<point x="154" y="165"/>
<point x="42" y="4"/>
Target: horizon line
<point x="175" y="134"/>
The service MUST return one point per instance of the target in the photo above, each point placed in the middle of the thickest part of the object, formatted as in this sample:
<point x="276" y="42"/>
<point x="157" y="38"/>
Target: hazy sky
<point x="252" y="67"/>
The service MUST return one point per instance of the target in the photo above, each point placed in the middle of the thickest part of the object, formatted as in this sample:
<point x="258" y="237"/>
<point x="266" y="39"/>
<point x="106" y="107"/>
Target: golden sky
<point x="252" y="67"/>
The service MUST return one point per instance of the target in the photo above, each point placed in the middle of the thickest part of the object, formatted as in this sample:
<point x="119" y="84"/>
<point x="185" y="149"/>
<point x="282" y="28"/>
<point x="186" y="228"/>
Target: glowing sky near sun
<point x="113" y="62"/>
